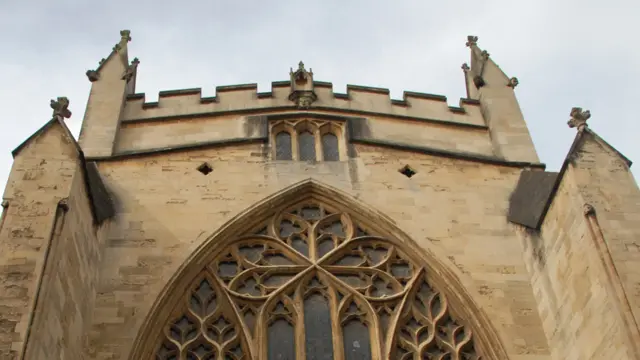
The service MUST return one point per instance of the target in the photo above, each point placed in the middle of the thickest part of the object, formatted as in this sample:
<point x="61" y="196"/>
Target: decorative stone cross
<point x="61" y="108"/>
<point x="579" y="118"/>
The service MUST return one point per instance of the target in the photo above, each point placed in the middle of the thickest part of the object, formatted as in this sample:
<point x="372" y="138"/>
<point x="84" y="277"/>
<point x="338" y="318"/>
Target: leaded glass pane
<point x="283" y="146"/>
<point x="281" y="342"/>
<point x="307" y="145"/>
<point x="317" y="326"/>
<point x="330" y="147"/>
<point x="357" y="345"/>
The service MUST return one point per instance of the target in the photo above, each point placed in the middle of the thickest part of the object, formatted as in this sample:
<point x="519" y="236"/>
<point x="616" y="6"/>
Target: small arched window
<point x="330" y="147"/>
<point x="283" y="146"/>
<point x="307" y="146"/>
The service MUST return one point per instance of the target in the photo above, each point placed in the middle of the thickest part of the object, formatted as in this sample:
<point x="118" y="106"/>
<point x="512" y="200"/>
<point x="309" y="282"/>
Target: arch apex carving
<point x="311" y="238"/>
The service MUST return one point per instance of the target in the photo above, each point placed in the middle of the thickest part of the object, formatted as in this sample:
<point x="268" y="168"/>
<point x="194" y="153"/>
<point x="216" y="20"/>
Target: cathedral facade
<point x="302" y="223"/>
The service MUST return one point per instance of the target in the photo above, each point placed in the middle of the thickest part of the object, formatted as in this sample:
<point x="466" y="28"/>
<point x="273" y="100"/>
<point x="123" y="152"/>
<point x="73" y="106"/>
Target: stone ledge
<point x="357" y="132"/>
<point x="258" y="111"/>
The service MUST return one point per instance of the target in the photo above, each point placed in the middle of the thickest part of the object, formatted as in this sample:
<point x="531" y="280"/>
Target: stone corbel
<point x="93" y="75"/>
<point x="303" y="99"/>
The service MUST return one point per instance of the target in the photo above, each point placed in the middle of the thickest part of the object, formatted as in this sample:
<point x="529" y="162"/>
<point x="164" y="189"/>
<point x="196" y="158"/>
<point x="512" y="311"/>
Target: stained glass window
<point x="315" y="285"/>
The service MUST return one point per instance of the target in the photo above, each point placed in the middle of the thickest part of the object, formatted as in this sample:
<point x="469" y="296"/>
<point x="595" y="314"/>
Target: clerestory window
<point x="307" y="140"/>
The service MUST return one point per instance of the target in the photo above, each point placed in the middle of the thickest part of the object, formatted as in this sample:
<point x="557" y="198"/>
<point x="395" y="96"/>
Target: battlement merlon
<point x="245" y="98"/>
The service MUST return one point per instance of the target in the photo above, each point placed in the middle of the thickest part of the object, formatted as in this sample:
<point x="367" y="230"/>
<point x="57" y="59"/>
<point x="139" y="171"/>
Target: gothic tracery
<point x="310" y="283"/>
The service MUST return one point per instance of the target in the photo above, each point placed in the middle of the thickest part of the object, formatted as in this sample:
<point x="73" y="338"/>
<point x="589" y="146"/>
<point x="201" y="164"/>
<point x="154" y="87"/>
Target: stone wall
<point x="44" y="172"/>
<point x="238" y="98"/>
<point x="167" y="209"/>
<point x="575" y="287"/>
<point x="68" y="290"/>
<point x="141" y="136"/>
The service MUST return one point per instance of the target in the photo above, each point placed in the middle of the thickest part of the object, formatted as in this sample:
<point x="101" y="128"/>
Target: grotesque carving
<point x="588" y="209"/>
<point x="513" y="82"/>
<point x="61" y="108"/>
<point x="93" y="75"/>
<point x="579" y="118"/>
<point x="131" y="70"/>
<point x="305" y="100"/>
<point x="472" y="40"/>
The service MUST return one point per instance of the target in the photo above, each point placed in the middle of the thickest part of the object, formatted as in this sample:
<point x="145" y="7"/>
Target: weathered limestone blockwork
<point x="68" y="291"/>
<point x="457" y="207"/>
<point x="570" y="284"/>
<point x="585" y="315"/>
<point x="245" y="98"/>
<point x="44" y="172"/>
<point x="76" y="286"/>
<point x="604" y="181"/>
<point x="136" y="136"/>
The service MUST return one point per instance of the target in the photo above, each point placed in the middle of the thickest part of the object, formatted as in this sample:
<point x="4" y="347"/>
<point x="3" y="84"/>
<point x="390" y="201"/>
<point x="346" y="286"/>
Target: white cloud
<point x="565" y="53"/>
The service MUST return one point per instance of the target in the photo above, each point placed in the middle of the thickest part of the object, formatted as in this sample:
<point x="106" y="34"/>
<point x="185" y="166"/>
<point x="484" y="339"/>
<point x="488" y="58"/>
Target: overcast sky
<point x="565" y="53"/>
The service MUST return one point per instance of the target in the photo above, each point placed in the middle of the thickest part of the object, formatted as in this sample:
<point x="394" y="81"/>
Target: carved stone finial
<point x="472" y="40"/>
<point x="465" y="67"/>
<point x="302" y="93"/>
<point x="513" y="82"/>
<point x="579" y="118"/>
<point x="588" y="209"/>
<point x="125" y="35"/>
<point x="61" y="108"/>
<point x="93" y="75"/>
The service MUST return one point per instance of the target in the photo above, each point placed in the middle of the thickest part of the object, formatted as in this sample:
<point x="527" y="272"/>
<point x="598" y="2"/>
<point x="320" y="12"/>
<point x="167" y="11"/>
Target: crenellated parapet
<point x="245" y="98"/>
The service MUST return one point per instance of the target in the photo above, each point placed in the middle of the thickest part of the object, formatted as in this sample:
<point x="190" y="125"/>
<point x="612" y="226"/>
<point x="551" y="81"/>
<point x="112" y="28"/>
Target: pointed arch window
<point x="311" y="282"/>
<point x="307" y="146"/>
<point x="307" y="140"/>
<point x="330" y="147"/>
<point x="283" y="146"/>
